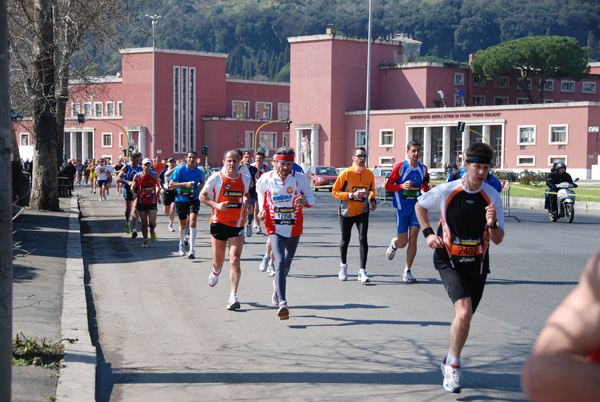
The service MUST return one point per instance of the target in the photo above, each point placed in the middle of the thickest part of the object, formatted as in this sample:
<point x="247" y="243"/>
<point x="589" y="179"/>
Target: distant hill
<point x="254" y="32"/>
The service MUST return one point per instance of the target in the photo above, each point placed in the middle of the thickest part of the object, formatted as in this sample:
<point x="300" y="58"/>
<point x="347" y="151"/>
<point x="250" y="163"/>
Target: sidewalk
<point x="49" y="303"/>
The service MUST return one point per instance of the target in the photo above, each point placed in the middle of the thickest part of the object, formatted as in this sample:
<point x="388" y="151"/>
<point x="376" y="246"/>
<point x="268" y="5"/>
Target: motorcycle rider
<point x="557" y="175"/>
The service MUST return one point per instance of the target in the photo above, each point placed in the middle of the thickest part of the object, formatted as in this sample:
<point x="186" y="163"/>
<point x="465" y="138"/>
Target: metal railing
<point x="505" y="195"/>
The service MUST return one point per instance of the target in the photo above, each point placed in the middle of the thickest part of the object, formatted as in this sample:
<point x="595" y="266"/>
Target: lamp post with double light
<point x="154" y="19"/>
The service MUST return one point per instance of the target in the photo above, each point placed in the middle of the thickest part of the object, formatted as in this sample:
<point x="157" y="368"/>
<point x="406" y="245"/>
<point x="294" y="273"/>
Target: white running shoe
<point x="171" y="228"/>
<point x="343" y="274"/>
<point x="363" y="277"/>
<point x="271" y="268"/>
<point x="390" y="253"/>
<point x="249" y="230"/>
<point x="263" y="264"/>
<point x="233" y="304"/>
<point x="452" y="377"/>
<point x="181" y="249"/>
<point x="408" y="277"/>
<point x="191" y="255"/>
<point x="258" y="230"/>
<point x="213" y="278"/>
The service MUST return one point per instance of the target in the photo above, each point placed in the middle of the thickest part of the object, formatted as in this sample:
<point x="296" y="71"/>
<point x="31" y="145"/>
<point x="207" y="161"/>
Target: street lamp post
<point x="368" y="108"/>
<point x="154" y="19"/>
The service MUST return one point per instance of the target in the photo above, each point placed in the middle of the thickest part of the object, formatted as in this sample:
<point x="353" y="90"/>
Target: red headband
<point x="247" y="153"/>
<point x="284" y="158"/>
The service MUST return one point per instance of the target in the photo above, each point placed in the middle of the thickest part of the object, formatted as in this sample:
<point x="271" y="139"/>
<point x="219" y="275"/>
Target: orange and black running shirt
<point x="462" y="223"/>
<point x="221" y="188"/>
<point x="146" y="187"/>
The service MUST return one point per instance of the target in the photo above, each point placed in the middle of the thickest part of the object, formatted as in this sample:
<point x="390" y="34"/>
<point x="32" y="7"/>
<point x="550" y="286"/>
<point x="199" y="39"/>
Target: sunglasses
<point x="361" y="155"/>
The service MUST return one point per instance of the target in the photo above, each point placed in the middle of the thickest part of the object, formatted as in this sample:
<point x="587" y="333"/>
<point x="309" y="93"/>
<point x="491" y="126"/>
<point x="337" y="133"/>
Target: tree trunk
<point x="44" y="188"/>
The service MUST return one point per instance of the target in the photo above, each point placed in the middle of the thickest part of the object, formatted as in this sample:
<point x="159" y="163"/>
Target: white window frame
<point x="501" y="82"/>
<point x="268" y="148"/>
<point x="533" y="135"/>
<point x="386" y="161"/>
<point x="104" y="137"/>
<point x="120" y="140"/>
<point x="567" y="86"/>
<point x="108" y="159"/>
<point x="87" y="109"/>
<point x="269" y="106"/>
<point x="120" y="109"/>
<point x="555" y="158"/>
<point x="520" y="157"/>
<point x="522" y="101"/>
<point x="588" y="87"/>
<point x="381" y="144"/>
<point x="96" y="104"/>
<point x="283" y="110"/>
<point x="459" y="79"/>
<point x="249" y="140"/>
<point x="285" y="139"/>
<point x="504" y="98"/>
<point x="75" y="109"/>
<point x="478" y="100"/>
<point x="565" y="126"/>
<point x="358" y="136"/>
<point x="549" y="86"/>
<point x="479" y="81"/>
<point x="108" y="111"/>
<point x="527" y="80"/>
<point x="27" y="138"/>
<point x="548" y="100"/>
<point x="233" y="109"/>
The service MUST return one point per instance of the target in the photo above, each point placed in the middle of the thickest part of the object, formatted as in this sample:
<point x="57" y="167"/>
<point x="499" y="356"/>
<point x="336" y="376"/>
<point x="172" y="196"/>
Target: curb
<point x="582" y="207"/>
<point x="78" y="376"/>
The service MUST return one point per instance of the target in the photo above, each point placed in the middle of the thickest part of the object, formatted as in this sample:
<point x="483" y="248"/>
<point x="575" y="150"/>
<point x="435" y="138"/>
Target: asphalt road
<point x="164" y="334"/>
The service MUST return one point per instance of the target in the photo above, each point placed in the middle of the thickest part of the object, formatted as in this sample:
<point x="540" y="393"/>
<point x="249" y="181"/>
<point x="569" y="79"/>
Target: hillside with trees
<point x="254" y="32"/>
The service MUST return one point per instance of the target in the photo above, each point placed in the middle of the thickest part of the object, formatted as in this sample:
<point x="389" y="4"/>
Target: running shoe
<point x="249" y="230"/>
<point x="408" y="277"/>
<point x="213" y="278"/>
<point x="233" y="304"/>
<point x="283" y="313"/>
<point x="258" y="230"/>
<point x="343" y="274"/>
<point x="171" y="228"/>
<point x="452" y="377"/>
<point x="134" y="234"/>
<point x="390" y="253"/>
<point x="101" y="199"/>
<point x="128" y="228"/>
<point x="274" y="298"/>
<point x="191" y="255"/>
<point x="363" y="277"/>
<point x="181" y="249"/>
<point x="146" y="243"/>
<point x="263" y="264"/>
<point x="271" y="268"/>
<point x="153" y="236"/>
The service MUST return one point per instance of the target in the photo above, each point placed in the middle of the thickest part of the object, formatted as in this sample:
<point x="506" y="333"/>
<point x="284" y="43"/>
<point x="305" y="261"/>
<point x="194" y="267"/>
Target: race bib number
<point x="466" y="251"/>
<point x="354" y="188"/>
<point x="284" y="216"/>
<point x="410" y="194"/>
<point x="234" y="199"/>
<point x="148" y="192"/>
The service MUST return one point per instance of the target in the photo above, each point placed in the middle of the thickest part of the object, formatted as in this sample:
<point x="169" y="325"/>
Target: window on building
<point x="106" y="140"/>
<point x="264" y="110"/>
<point x="527" y="135"/>
<point x="249" y="142"/>
<point x="525" y="160"/>
<point x="473" y="136"/>
<point x="588" y="87"/>
<point x="385" y="161"/>
<point x="548" y="101"/>
<point x="108" y="159"/>
<point x="478" y="100"/>
<point x="418" y="135"/>
<point x="120" y="109"/>
<point x="184" y="109"/>
<point x="557" y="158"/>
<point x="500" y="100"/>
<point x="459" y="78"/>
<point x="501" y="82"/>
<point x="75" y="110"/>
<point x="386" y="138"/>
<point x="241" y="109"/>
<point x="87" y="109"/>
<point x="110" y="109"/>
<point x="549" y="85"/>
<point x="285" y="139"/>
<point x="567" y="86"/>
<point x="456" y="146"/>
<point x="98" y="109"/>
<point x="524" y="83"/>
<point x="522" y="101"/>
<point x="24" y="139"/>
<point x="437" y="147"/>
<point x="360" y="138"/>
<point x="559" y="135"/>
<point x="283" y="110"/>
<point x="268" y="140"/>
<point x="496" y="143"/>
<point x="479" y="81"/>
<point x="120" y="140"/>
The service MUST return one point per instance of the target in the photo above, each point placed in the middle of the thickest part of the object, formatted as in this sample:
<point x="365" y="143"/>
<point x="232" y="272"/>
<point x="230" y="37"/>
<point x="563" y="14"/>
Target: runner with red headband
<point x="282" y="194"/>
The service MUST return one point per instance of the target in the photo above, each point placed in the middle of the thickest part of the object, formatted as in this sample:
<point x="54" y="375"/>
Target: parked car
<point x="322" y="177"/>
<point x="436" y="176"/>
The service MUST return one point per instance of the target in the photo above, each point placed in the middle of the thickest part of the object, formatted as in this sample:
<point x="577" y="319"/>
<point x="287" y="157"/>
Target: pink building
<point x="328" y="98"/>
<point x="196" y="104"/>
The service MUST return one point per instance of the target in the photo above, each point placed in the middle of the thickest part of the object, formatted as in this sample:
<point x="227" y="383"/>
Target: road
<point x="164" y="334"/>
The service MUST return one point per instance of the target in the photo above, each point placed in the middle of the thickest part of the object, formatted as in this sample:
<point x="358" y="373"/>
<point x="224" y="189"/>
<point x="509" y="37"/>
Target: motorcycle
<point x="565" y="200"/>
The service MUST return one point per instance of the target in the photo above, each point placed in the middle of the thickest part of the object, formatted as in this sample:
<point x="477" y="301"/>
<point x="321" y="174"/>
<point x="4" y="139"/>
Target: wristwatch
<point x="495" y="225"/>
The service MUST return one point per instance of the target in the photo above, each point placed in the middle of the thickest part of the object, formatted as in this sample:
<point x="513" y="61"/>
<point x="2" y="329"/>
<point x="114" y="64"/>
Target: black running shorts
<point x="460" y="283"/>
<point x="223" y="232"/>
